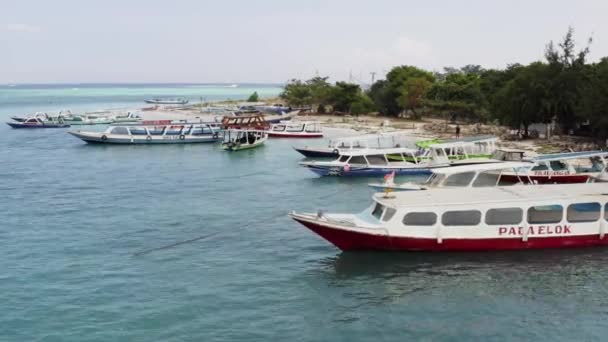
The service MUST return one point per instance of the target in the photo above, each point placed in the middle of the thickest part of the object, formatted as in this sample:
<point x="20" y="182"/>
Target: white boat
<point x="158" y="134"/>
<point x="242" y="139"/>
<point x="471" y="219"/>
<point x="296" y="129"/>
<point x="463" y="176"/>
<point x="178" y="101"/>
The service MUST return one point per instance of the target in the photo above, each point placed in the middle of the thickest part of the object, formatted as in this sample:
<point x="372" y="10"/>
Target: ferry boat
<point x="242" y="139"/>
<point x="176" y="101"/>
<point x="375" y="162"/>
<point x="463" y="176"/>
<point x="37" y="122"/>
<point x="158" y="134"/>
<point x="366" y="141"/>
<point x="563" y="168"/>
<point x="304" y="129"/>
<point x="471" y="219"/>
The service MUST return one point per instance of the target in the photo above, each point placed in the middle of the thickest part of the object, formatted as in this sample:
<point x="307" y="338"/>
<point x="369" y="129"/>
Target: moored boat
<point x="301" y="129"/>
<point x="175" y="101"/>
<point x="37" y="122"/>
<point x="242" y="139"/>
<point x="158" y="134"/>
<point x="471" y="219"/>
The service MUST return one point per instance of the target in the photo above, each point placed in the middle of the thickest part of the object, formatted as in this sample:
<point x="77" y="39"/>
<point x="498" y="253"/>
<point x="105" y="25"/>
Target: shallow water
<point x="80" y="224"/>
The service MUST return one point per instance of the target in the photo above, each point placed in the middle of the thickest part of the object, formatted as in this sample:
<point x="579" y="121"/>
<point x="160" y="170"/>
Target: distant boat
<point x="303" y="129"/>
<point x="178" y="101"/>
<point x="38" y="123"/>
<point x="156" y="134"/>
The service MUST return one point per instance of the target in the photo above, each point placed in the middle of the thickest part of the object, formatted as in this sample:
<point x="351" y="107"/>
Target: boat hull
<point x="295" y="135"/>
<point x="365" y="171"/>
<point x="19" y="125"/>
<point x="142" y="140"/>
<point x="348" y="240"/>
<point x="317" y="152"/>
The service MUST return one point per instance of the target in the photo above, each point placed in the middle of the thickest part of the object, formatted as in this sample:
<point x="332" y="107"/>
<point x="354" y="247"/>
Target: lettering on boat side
<point x="535" y="230"/>
<point x="551" y="173"/>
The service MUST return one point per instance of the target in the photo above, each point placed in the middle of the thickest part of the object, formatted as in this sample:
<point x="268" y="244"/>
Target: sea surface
<point x="83" y="227"/>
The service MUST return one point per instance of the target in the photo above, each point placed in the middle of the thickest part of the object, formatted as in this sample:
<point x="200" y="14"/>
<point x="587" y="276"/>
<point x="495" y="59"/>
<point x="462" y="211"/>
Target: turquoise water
<point x="80" y="225"/>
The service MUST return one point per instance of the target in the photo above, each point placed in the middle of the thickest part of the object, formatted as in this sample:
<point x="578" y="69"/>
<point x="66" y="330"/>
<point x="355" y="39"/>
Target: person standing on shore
<point x="457" y="131"/>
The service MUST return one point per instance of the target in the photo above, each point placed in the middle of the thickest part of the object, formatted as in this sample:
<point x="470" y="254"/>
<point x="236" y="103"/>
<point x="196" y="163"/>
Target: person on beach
<point x="457" y="131"/>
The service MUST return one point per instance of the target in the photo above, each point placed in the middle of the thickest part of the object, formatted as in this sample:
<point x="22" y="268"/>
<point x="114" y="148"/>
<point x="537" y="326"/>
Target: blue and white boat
<point x="157" y="134"/>
<point x="377" y="162"/>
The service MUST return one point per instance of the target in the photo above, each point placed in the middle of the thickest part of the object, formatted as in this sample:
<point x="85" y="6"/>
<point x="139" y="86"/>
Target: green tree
<point x="320" y="92"/>
<point x="297" y="93"/>
<point x="253" y="97"/>
<point x="412" y="93"/>
<point x="388" y="95"/>
<point x="343" y="95"/>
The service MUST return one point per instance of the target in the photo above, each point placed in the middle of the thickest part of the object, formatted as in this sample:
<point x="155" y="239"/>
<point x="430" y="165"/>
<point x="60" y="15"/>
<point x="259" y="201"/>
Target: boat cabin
<point x="296" y="127"/>
<point x="164" y="130"/>
<point x="252" y="122"/>
<point x="379" y="157"/>
<point x="570" y="163"/>
<point x="479" y="175"/>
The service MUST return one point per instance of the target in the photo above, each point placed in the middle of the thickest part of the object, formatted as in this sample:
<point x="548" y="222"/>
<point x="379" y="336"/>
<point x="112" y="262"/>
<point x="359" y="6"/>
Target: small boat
<point x="367" y="141"/>
<point x="471" y="219"/>
<point x="304" y="129"/>
<point x="126" y="118"/>
<point x="42" y="116"/>
<point x="463" y="176"/>
<point x="254" y="122"/>
<point x="242" y="139"/>
<point x="375" y="162"/>
<point x="88" y="119"/>
<point x="176" y="101"/>
<point x="39" y="123"/>
<point x="158" y="134"/>
<point x="563" y="168"/>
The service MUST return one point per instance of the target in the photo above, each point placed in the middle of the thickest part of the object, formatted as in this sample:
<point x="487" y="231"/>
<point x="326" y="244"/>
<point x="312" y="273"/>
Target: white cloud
<point x="22" y="28"/>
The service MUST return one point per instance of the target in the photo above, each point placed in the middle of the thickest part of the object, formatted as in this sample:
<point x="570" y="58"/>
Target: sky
<point x="202" y="41"/>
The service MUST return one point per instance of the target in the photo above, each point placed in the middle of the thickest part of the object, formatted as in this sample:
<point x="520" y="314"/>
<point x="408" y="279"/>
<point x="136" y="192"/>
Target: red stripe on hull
<point x="349" y="240"/>
<point x="569" y="179"/>
<point x="275" y="135"/>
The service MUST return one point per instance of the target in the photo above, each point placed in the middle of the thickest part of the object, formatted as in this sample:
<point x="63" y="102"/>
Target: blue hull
<point x="366" y="172"/>
<point x="22" y="125"/>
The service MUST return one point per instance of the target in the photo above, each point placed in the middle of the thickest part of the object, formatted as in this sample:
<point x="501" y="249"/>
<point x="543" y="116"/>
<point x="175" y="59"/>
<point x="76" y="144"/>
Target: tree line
<point x="564" y="87"/>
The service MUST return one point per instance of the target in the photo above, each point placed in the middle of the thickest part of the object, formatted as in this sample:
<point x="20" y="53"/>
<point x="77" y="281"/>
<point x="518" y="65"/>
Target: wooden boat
<point x="242" y="139"/>
<point x="375" y="162"/>
<point x="253" y="122"/>
<point x="36" y="122"/>
<point x="158" y="134"/>
<point x="563" y="168"/>
<point x="176" y="101"/>
<point x="471" y="219"/>
<point x="303" y="129"/>
<point x="463" y="176"/>
<point x="367" y="141"/>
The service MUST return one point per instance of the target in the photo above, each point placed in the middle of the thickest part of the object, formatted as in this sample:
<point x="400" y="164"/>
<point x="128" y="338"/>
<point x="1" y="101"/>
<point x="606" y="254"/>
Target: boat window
<point x="295" y="128"/>
<point x="358" y="160"/>
<point x="583" y="212"/>
<point x="156" y="130"/>
<point x="377" y="212"/>
<point x="488" y="178"/>
<point x="435" y="180"/>
<point x="540" y="167"/>
<point x="557" y="165"/>
<point x="504" y="216"/>
<point x="376" y="159"/>
<point x="312" y="128"/>
<point x="343" y="158"/>
<point x="545" y="214"/>
<point x="138" y="130"/>
<point x="420" y="219"/>
<point x="187" y="130"/>
<point x="278" y="128"/>
<point x="388" y="215"/>
<point x="461" y="218"/>
<point x="460" y="179"/>
<point x="119" y="130"/>
<point x="174" y="130"/>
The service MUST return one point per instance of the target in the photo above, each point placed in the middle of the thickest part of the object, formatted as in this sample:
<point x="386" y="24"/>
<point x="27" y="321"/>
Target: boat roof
<point x="376" y="151"/>
<point x="570" y="155"/>
<point x="460" y="143"/>
<point x="516" y="195"/>
<point x="376" y="135"/>
<point x="511" y="150"/>
<point x="246" y="130"/>
<point x="474" y="139"/>
<point x="482" y="167"/>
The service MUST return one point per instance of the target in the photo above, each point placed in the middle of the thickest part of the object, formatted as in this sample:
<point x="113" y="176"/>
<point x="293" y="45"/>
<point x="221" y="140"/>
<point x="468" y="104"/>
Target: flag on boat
<point x="389" y="178"/>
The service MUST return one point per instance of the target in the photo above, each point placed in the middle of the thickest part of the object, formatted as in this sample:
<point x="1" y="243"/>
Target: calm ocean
<point x="75" y="218"/>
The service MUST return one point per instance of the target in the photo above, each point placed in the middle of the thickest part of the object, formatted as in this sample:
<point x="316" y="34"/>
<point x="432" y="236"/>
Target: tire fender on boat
<point x="148" y="138"/>
<point x="336" y="151"/>
<point x="104" y="138"/>
<point x="182" y="137"/>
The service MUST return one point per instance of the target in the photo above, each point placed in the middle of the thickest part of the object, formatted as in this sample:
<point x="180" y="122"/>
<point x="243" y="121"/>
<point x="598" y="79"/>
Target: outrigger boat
<point x="471" y="219"/>
<point x="561" y="168"/>
<point x="176" y="101"/>
<point x="159" y="134"/>
<point x="463" y="176"/>
<point x="304" y="129"/>
<point x="242" y="139"/>
<point x="375" y="162"/>
<point x="368" y="141"/>
<point x="37" y="122"/>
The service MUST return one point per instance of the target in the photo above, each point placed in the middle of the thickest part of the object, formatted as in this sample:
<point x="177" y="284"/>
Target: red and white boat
<point x="298" y="129"/>
<point x="472" y="219"/>
<point x="561" y="168"/>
